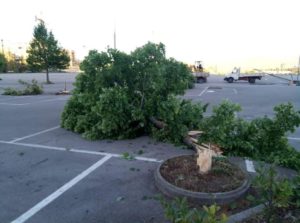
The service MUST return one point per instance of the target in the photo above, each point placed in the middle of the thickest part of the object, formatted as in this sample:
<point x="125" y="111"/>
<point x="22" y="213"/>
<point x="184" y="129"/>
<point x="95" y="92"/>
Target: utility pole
<point x="298" y="71"/>
<point x="115" y="37"/>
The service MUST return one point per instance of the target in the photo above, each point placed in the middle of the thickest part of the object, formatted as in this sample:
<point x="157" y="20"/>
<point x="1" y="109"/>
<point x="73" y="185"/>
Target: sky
<point x="222" y="34"/>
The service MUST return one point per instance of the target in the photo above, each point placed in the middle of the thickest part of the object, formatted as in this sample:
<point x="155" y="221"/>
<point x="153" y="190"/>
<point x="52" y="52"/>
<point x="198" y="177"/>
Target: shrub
<point x="178" y="211"/>
<point x="12" y="91"/>
<point x="296" y="191"/>
<point x="32" y="88"/>
<point x="274" y="192"/>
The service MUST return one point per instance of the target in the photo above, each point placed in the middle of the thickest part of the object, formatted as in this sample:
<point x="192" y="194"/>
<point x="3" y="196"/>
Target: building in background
<point x="74" y="62"/>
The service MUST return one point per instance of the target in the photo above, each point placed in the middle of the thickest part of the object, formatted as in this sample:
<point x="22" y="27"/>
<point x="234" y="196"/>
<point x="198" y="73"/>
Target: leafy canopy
<point x="262" y="138"/>
<point x="117" y="94"/>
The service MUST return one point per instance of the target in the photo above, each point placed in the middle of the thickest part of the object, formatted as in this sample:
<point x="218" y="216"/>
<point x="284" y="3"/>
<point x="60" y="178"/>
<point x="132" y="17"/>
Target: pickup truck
<point x="236" y="75"/>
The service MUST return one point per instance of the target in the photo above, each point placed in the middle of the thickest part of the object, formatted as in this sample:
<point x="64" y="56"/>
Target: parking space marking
<point x="140" y="158"/>
<point x="250" y="166"/>
<point x="4" y="103"/>
<point x="53" y="99"/>
<point x="294" y="138"/>
<point x="234" y="90"/>
<point x="2" y="99"/>
<point x="35" y="134"/>
<point x="114" y="155"/>
<point x="24" y="217"/>
<point x="202" y="92"/>
<point x="36" y="102"/>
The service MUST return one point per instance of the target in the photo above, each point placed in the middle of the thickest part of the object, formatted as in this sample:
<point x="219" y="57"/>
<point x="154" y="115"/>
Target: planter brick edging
<point x="239" y="217"/>
<point x="199" y="197"/>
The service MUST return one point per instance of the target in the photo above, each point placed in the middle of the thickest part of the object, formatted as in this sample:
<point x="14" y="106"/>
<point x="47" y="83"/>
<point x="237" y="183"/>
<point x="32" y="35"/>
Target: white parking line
<point x="202" y="92"/>
<point x="24" y="217"/>
<point x="35" y="134"/>
<point x="79" y="151"/>
<point x="234" y="90"/>
<point x="250" y="166"/>
<point x="36" y="102"/>
<point x="4" y="99"/>
<point x="294" y="138"/>
<point x="3" y="103"/>
<point x="53" y="99"/>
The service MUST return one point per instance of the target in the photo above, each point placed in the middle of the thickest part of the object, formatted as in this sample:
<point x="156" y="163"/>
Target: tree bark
<point x="158" y="124"/>
<point x="47" y="76"/>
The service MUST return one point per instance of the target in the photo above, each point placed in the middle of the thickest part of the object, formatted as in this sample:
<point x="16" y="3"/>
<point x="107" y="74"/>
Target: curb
<point x="239" y="217"/>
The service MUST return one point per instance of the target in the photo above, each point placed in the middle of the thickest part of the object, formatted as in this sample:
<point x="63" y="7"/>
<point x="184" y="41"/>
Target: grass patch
<point x="127" y="156"/>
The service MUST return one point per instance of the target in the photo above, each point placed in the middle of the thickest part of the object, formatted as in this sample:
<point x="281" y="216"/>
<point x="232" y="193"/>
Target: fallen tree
<point x="117" y="94"/>
<point x="121" y="95"/>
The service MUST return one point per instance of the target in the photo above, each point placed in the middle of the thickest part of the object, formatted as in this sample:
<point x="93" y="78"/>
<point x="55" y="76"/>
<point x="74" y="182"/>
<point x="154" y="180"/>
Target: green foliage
<point x="3" y="64"/>
<point x="269" y="136"/>
<point x="296" y="191"/>
<point x="12" y="91"/>
<point x="211" y="215"/>
<point x="225" y="129"/>
<point x="274" y="192"/>
<point x="180" y="116"/>
<point x="116" y="95"/>
<point x="123" y="116"/>
<point x="127" y="156"/>
<point x="261" y="139"/>
<point x="178" y="211"/>
<point x="32" y="88"/>
<point x="44" y="52"/>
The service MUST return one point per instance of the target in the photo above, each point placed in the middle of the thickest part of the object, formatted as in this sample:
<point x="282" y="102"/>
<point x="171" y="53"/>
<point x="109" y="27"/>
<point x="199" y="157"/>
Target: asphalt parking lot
<point x="51" y="175"/>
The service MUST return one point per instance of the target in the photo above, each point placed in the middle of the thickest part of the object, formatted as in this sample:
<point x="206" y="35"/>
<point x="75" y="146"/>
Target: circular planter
<point x="199" y="197"/>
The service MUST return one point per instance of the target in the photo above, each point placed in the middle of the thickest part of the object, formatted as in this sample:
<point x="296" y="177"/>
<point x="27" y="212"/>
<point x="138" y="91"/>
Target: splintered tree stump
<point x="205" y="152"/>
<point x="204" y="160"/>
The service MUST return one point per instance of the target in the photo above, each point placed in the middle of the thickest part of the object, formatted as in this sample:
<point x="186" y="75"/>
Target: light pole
<point x="298" y="72"/>
<point x="115" y="37"/>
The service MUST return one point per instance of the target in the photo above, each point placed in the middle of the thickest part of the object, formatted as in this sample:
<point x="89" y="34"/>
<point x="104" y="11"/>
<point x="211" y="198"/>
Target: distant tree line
<point x="10" y="62"/>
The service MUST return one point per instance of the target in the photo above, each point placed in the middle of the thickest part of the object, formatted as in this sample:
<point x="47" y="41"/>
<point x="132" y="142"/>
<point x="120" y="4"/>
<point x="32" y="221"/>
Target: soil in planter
<point x="183" y="172"/>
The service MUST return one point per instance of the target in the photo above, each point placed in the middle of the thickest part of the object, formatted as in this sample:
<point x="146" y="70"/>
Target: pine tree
<point x="44" y="52"/>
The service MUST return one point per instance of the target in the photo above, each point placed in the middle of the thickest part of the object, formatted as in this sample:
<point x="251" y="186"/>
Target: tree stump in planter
<point x="204" y="160"/>
<point x="205" y="152"/>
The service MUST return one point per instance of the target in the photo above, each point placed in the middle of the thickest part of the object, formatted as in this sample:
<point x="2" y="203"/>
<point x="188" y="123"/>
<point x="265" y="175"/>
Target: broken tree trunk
<point x="204" y="160"/>
<point x="205" y="152"/>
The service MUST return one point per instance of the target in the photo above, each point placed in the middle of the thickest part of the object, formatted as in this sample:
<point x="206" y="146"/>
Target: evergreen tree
<point x="44" y="52"/>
